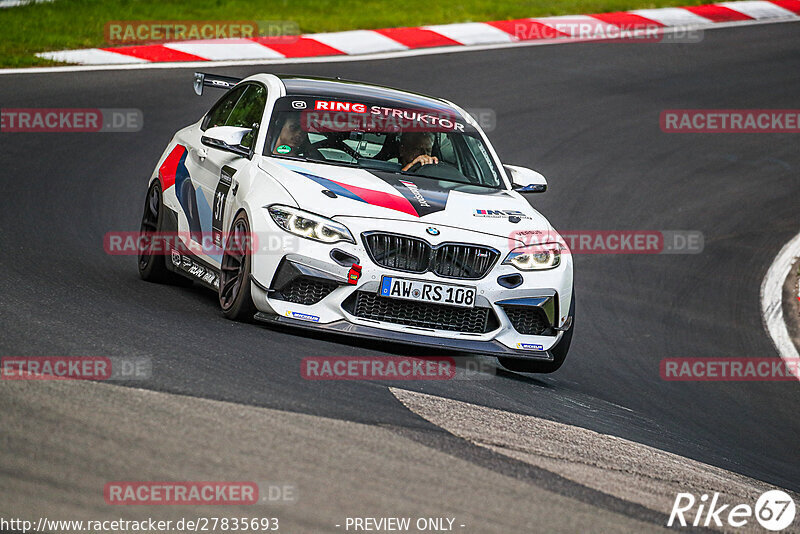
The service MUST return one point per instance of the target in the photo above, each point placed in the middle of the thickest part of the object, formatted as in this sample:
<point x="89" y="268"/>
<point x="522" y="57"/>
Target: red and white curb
<point x="361" y="42"/>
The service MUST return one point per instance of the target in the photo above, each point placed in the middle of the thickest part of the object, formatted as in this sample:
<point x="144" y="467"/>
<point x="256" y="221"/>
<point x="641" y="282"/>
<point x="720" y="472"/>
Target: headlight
<point x="309" y="225"/>
<point x="535" y="257"/>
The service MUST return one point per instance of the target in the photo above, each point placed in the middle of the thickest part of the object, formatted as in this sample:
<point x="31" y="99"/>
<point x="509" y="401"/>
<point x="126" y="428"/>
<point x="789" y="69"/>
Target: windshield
<point x="427" y="143"/>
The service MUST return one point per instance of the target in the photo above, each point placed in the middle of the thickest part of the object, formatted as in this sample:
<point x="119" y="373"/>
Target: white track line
<point x="345" y="58"/>
<point x="772" y="299"/>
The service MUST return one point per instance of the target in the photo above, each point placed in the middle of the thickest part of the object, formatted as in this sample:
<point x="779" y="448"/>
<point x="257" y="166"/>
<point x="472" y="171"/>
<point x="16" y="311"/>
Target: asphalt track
<point x="586" y="116"/>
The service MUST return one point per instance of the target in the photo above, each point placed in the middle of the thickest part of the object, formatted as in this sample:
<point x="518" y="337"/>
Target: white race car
<point x="360" y="210"/>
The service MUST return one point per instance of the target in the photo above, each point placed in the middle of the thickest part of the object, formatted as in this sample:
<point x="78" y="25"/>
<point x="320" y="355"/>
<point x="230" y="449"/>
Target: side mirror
<point x="525" y="180"/>
<point x="228" y="138"/>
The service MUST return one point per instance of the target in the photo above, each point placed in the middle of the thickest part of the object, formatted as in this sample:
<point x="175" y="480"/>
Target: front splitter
<point x="487" y="348"/>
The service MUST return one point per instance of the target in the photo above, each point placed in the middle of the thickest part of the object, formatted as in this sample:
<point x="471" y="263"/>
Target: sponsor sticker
<point x="499" y="214"/>
<point x="530" y="346"/>
<point x="411" y="186"/>
<point x="332" y="105"/>
<point x="196" y="269"/>
<point x="302" y="316"/>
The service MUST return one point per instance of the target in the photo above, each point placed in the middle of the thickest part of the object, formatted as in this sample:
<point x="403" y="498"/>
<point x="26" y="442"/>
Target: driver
<point x="416" y="147"/>
<point x="292" y="136"/>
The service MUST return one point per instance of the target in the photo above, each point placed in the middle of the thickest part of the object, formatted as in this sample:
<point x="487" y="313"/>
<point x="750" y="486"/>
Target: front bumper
<point x="309" y="289"/>
<point x="343" y="327"/>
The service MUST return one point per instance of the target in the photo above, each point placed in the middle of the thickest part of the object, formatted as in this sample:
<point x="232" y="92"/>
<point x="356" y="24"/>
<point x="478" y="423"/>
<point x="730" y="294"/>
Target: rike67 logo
<point x="774" y="510"/>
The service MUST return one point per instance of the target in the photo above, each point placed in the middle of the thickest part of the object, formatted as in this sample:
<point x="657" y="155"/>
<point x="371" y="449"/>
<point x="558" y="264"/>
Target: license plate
<point x="420" y="290"/>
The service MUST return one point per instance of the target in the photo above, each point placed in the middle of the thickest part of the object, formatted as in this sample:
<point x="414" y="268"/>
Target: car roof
<point x="336" y="88"/>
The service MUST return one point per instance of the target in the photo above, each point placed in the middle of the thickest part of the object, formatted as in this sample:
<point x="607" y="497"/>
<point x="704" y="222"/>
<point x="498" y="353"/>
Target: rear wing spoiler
<point x="201" y="79"/>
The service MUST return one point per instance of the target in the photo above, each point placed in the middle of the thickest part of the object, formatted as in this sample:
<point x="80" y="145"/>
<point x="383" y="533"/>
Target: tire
<point x="522" y="365"/>
<point x="153" y="267"/>
<point x="235" y="298"/>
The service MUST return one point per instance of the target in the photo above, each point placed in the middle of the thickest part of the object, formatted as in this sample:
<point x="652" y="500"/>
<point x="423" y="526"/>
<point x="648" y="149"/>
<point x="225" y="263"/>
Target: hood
<point x="339" y="191"/>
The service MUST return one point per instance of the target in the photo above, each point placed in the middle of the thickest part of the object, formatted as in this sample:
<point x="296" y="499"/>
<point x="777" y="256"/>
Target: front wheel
<point x="560" y="351"/>
<point x="234" y="281"/>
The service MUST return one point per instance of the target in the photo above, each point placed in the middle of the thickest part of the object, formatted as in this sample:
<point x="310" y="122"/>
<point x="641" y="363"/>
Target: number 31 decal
<point x="220" y="198"/>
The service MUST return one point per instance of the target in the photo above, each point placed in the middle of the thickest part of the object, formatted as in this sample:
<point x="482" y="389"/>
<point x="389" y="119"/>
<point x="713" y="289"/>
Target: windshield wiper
<point x="441" y="179"/>
<point x="309" y="160"/>
<point x="294" y="158"/>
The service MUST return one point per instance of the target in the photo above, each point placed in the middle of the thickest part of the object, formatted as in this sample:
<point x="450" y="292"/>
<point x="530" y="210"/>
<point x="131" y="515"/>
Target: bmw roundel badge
<point x="433" y="231"/>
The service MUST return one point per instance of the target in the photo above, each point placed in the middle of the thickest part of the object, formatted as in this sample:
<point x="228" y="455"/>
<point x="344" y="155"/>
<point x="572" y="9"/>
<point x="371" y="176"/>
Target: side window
<point x="478" y="155"/>
<point x="250" y="107"/>
<point x="447" y="151"/>
<point x="248" y="111"/>
<point x="222" y="110"/>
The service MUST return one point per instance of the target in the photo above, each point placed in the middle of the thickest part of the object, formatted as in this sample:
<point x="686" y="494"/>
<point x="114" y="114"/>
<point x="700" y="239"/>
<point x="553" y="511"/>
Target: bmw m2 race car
<point x="360" y="210"/>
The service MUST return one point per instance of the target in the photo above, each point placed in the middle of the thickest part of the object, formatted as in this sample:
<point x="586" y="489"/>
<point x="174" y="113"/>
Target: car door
<point x="214" y="170"/>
